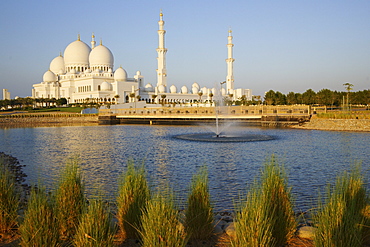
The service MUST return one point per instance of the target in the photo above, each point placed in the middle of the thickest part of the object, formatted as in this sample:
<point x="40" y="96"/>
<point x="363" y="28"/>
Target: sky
<point x="283" y="45"/>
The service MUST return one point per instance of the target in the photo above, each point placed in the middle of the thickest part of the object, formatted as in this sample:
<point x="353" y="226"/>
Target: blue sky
<point x="284" y="45"/>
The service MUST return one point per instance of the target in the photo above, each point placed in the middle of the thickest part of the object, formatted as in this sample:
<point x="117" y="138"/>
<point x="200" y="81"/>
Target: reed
<point x="131" y="201"/>
<point x="69" y="198"/>
<point x="267" y="218"/>
<point x="340" y="219"/>
<point x="39" y="227"/>
<point x="9" y="201"/>
<point x="95" y="228"/>
<point x="199" y="212"/>
<point x="161" y="225"/>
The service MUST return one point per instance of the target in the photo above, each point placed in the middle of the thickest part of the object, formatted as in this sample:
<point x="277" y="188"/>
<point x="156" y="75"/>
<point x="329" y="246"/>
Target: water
<point x="312" y="158"/>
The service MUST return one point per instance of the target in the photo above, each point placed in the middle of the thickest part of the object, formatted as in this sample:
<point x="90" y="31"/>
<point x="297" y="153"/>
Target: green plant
<point x="199" y="212"/>
<point x="132" y="200"/>
<point x="161" y="225"/>
<point x="39" y="227"/>
<point x="9" y="200"/>
<point x="95" y="228"/>
<point x="267" y="219"/>
<point x="69" y="198"/>
<point x="340" y="221"/>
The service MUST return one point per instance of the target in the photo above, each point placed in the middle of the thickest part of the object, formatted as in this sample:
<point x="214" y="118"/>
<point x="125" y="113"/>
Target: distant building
<point x="6" y="94"/>
<point x="86" y="73"/>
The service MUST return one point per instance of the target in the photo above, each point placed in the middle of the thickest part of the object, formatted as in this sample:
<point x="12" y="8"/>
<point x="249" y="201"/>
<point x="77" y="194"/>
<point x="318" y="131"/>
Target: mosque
<point x="86" y="73"/>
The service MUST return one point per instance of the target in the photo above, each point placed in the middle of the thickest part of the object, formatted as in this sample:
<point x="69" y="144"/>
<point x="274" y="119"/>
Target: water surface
<point x="312" y="158"/>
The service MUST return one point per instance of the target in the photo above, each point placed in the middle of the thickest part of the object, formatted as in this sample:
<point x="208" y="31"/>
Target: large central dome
<point x="76" y="56"/>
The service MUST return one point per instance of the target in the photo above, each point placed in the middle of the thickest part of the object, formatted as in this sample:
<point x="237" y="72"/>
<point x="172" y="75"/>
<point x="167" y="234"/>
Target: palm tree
<point x="154" y="96"/>
<point x="163" y="96"/>
<point x="348" y="87"/>
<point x="200" y="96"/>
<point x="211" y="96"/>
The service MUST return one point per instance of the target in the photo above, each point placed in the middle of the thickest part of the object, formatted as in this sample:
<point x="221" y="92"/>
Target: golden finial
<point x="161" y="14"/>
<point x="93" y="36"/>
<point x="101" y="42"/>
<point x="78" y="37"/>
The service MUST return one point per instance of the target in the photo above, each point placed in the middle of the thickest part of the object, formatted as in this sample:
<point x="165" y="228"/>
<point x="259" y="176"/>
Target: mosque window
<point x="98" y="87"/>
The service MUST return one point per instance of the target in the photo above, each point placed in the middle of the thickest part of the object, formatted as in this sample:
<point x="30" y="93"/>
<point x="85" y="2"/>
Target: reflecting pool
<point x="312" y="158"/>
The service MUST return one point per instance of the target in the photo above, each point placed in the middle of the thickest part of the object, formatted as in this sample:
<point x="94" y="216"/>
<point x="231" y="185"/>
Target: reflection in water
<point x="312" y="158"/>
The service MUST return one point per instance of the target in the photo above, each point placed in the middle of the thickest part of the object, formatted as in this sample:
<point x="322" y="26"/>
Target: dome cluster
<point x="79" y="58"/>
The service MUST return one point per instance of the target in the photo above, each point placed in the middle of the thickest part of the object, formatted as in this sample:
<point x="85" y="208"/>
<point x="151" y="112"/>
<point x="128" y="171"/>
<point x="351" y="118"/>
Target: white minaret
<point x="161" y="71"/>
<point x="230" y="64"/>
<point x="93" y="43"/>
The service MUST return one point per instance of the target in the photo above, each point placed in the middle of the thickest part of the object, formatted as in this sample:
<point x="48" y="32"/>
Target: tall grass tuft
<point x="70" y="199"/>
<point x="161" y="225"/>
<point x="9" y="201"/>
<point x="132" y="200"/>
<point x="39" y="227"/>
<point x="267" y="219"/>
<point x="340" y="220"/>
<point x="199" y="212"/>
<point x="95" y="228"/>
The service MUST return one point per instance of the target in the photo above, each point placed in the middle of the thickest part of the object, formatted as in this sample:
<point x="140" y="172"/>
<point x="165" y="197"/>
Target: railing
<point x="210" y="112"/>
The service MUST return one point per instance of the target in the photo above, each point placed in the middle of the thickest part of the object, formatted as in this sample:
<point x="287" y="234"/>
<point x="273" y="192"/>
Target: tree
<point x="309" y="97"/>
<point x="200" y="96"/>
<point x="325" y="97"/>
<point x="154" y="96"/>
<point x="348" y="86"/>
<point x="280" y="99"/>
<point x="270" y="97"/>
<point x="116" y="97"/>
<point x="163" y="96"/>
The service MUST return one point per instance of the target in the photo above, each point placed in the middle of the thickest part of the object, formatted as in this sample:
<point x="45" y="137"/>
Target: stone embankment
<point x="48" y="119"/>
<point x="335" y="124"/>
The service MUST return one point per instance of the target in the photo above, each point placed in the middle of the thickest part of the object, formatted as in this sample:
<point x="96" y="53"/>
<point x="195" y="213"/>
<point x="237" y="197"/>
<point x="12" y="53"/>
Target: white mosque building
<point x="86" y="73"/>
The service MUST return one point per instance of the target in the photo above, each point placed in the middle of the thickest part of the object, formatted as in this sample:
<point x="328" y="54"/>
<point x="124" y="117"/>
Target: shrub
<point x="9" y="200"/>
<point x="69" y="198"/>
<point x="161" y="225"/>
<point x="341" y="221"/>
<point x="199" y="213"/>
<point x="95" y="228"/>
<point x="267" y="219"/>
<point x="132" y="199"/>
<point x="39" y="227"/>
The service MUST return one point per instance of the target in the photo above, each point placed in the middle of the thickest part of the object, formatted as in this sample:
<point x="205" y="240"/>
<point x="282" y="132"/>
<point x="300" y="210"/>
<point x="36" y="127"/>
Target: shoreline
<point x="329" y="124"/>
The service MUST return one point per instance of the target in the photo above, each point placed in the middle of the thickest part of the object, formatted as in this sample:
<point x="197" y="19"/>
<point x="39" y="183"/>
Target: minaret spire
<point x="161" y="50"/>
<point x="230" y="63"/>
<point x="93" y="43"/>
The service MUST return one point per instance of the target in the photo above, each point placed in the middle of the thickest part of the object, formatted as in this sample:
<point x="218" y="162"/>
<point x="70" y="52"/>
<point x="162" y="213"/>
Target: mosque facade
<point x="86" y="73"/>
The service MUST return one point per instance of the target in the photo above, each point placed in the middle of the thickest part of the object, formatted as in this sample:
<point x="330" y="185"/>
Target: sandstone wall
<point x="336" y="124"/>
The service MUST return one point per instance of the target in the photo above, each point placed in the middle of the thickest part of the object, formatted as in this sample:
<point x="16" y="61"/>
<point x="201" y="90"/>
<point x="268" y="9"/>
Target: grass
<point x="199" y="212"/>
<point x="267" y="218"/>
<point x="95" y="228"/>
<point x="39" y="227"/>
<point x="345" y="115"/>
<point x="131" y="201"/>
<point x="9" y="201"/>
<point x="61" y="109"/>
<point x="340" y="220"/>
<point x="69" y="198"/>
<point x="161" y="225"/>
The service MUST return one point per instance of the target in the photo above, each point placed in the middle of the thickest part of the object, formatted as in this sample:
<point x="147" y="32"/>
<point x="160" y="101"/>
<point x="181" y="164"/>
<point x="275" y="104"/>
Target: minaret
<point x="161" y="71"/>
<point x="93" y="43"/>
<point x="230" y="64"/>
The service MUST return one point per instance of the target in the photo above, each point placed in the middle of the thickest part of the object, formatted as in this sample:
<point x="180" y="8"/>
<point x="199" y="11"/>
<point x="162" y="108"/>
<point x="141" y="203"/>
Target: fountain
<point x="219" y="134"/>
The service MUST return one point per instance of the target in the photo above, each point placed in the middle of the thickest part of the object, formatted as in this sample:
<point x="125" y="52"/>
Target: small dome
<point x="57" y="65"/>
<point x="120" y="74"/>
<point x="77" y="54"/>
<point x="138" y="72"/>
<point x="105" y="86"/>
<point x="204" y="90"/>
<point x="49" y="77"/>
<point x="149" y="88"/>
<point x="196" y="85"/>
<point x="195" y="90"/>
<point x="101" y="56"/>
<point x="184" y="90"/>
<point x="173" y="89"/>
<point x="161" y="89"/>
